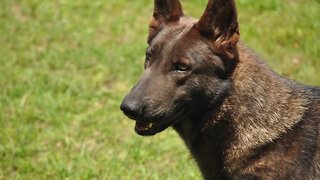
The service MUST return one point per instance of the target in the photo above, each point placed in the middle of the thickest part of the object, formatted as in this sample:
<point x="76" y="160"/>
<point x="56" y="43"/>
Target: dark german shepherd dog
<point x="239" y="119"/>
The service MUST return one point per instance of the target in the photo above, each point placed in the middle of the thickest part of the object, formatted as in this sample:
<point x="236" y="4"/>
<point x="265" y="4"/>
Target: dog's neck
<point x="262" y="107"/>
<point x="259" y="109"/>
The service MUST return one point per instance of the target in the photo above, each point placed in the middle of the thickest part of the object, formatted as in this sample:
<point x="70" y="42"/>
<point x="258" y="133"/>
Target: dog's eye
<point x="147" y="60"/>
<point x="148" y="56"/>
<point x="181" y="67"/>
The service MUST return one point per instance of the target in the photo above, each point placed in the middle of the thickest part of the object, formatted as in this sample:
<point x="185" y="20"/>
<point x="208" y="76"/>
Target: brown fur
<point x="239" y="119"/>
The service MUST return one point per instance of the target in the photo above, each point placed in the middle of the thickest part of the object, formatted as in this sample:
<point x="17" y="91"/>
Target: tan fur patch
<point x="270" y="106"/>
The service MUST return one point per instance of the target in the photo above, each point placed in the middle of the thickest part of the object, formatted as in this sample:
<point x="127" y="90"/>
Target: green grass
<point x="66" y="64"/>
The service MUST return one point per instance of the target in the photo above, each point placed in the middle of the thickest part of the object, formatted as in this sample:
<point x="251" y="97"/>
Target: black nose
<point x="131" y="108"/>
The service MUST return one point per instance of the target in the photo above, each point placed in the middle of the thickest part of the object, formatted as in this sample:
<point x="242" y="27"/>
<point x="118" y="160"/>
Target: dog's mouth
<point x="149" y="128"/>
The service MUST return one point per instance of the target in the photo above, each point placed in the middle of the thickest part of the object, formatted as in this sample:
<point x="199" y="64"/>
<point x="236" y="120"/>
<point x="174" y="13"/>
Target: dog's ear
<point x="165" y="11"/>
<point x="219" y="23"/>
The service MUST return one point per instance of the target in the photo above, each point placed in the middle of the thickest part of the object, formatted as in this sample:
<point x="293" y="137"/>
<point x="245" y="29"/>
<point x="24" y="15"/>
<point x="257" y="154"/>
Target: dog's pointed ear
<point x="219" y="23"/>
<point x="165" y="11"/>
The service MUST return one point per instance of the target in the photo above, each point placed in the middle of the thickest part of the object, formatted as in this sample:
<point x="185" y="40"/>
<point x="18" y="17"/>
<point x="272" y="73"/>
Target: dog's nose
<point x="131" y="108"/>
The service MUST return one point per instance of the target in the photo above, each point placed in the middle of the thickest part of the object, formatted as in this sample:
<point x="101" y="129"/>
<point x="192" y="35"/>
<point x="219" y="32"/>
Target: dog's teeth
<point x="144" y="127"/>
<point x="148" y="127"/>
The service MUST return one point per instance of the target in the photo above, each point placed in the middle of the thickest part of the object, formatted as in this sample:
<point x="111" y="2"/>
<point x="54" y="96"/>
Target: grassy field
<point x="66" y="64"/>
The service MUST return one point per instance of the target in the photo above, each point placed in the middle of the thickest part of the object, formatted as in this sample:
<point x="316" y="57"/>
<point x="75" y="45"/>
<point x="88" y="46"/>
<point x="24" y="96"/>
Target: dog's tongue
<point x="143" y="126"/>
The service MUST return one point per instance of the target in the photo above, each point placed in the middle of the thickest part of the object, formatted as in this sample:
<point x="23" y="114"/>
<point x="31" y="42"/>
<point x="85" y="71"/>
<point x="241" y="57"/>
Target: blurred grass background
<point x="66" y="64"/>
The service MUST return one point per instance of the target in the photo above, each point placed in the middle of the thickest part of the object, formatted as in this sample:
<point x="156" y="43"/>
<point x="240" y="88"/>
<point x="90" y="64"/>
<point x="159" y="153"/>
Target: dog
<point x="238" y="118"/>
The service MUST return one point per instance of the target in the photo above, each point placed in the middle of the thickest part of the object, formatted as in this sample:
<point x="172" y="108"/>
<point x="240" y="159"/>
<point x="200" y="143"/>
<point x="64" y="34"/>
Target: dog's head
<point x="187" y="66"/>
